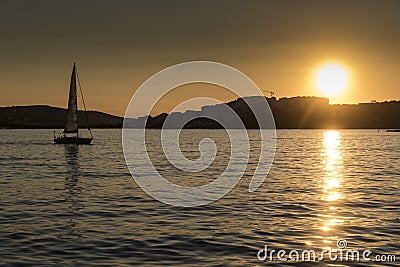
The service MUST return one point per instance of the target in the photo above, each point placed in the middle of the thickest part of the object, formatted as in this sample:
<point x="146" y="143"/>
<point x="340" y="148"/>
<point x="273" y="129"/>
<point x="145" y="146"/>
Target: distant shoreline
<point x="289" y="113"/>
<point x="154" y="129"/>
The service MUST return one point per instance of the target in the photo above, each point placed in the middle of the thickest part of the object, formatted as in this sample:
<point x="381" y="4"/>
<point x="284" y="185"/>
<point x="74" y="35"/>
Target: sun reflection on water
<point x="332" y="178"/>
<point x="331" y="182"/>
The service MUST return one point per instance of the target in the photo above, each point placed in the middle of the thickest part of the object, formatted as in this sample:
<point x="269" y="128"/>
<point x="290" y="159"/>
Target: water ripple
<point x="69" y="206"/>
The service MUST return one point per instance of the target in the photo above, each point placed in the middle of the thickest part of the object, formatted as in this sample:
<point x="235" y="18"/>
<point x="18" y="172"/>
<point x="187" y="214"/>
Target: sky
<point x="117" y="45"/>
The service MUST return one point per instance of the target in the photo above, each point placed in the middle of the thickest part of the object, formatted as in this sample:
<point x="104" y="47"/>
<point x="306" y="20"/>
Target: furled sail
<point x="72" y="126"/>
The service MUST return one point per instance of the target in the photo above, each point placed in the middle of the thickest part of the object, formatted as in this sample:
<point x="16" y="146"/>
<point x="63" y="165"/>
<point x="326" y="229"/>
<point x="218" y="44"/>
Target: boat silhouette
<point x="71" y="132"/>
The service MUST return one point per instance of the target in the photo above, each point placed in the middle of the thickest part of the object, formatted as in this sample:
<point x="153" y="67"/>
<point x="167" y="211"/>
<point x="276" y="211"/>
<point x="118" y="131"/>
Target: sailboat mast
<point x="84" y="105"/>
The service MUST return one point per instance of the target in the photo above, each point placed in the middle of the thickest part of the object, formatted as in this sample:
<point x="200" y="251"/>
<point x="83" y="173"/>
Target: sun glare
<point x="331" y="79"/>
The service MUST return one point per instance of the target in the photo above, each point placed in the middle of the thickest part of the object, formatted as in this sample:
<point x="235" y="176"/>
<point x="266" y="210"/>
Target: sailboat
<point x="71" y="131"/>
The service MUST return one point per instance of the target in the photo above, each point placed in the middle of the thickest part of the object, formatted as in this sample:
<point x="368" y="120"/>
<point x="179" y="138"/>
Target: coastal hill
<point x="37" y="117"/>
<point x="289" y="113"/>
<point x="294" y="113"/>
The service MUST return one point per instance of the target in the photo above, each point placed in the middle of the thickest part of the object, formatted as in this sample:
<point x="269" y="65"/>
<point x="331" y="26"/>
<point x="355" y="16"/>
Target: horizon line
<point x="285" y="97"/>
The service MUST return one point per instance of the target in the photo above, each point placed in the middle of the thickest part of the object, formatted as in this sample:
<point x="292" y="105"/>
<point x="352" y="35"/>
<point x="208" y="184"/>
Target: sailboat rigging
<point x="71" y="131"/>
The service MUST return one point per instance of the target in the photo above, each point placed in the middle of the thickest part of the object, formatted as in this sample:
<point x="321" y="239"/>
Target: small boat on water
<point x="393" y="131"/>
<point x="71" y="131"/>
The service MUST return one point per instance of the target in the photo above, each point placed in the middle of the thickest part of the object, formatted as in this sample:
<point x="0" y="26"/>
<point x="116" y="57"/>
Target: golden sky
<point x="119" y="44"/>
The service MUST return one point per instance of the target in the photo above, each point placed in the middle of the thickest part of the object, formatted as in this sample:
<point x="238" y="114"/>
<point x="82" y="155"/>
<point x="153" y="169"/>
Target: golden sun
<point x="331" y="79"/>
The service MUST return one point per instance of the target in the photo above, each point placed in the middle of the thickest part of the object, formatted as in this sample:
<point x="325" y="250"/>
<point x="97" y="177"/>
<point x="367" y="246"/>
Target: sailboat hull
<point x="72" y="140"/>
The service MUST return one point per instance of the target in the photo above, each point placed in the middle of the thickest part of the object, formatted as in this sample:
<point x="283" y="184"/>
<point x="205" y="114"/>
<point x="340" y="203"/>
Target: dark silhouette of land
<point x="297" y="113"/>
<point x="289" y="113"/>
<point x="46" y="117"/>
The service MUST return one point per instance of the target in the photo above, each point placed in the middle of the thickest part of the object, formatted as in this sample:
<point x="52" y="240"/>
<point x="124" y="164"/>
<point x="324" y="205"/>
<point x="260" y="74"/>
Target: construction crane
<point x="270" y="92"/>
